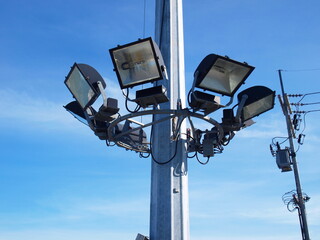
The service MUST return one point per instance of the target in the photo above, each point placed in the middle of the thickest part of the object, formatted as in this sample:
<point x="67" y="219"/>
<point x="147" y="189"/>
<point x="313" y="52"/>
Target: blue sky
<point x="60" y="182"/>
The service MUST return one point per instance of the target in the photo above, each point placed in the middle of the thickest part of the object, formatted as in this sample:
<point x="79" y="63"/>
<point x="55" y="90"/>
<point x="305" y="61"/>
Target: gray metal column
<point x="169" y="215"/>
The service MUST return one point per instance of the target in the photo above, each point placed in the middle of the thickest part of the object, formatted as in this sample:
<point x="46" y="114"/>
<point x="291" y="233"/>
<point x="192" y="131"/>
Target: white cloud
<point x="24" y="110"/>
<point x="121" y="208"/>
<point x="313" y="211"/>
<point x="61" y="234"/>
<point x="285" y="236"/>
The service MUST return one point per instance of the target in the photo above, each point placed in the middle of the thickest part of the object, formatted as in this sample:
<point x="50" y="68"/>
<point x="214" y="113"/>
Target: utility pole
<point x="300" y="202"/>
<point x="169" y="213"/>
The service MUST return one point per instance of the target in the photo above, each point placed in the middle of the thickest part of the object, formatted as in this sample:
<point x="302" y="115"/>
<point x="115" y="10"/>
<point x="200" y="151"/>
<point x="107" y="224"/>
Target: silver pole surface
<point x="302" y="208"/>
<point x="169" y="213"/>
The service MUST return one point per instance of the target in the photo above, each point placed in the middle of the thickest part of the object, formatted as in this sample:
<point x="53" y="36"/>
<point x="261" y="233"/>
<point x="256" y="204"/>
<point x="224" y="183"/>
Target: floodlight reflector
<point x="221" y="74"/>
<point x="82" y="83"/>
<point x="260" y="99"/>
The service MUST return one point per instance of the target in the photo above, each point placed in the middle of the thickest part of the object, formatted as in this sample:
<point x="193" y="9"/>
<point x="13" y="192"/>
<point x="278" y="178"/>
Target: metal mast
<point x="300" y="202"/>
<point x="169" y="214"/>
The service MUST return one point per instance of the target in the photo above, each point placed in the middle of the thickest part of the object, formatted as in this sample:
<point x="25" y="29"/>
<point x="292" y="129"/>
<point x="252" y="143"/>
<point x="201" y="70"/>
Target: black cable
<point x="126" y="103"/>
<point x="108" y="143"/>
<point x="275" y="144"/>
<point x="188" y="97"/>
<point x="203" y="163"/>
<point x="192" y="156"/>
<point x="126" y="95"/>
<point x="142" y="156"/>
<point x="151" y="153"/>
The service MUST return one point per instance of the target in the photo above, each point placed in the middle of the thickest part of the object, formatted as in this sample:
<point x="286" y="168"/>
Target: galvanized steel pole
<point x="169" y="213"/>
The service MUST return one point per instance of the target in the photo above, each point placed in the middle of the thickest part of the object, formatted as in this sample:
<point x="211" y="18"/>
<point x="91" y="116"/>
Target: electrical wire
<point x="304" y="119"/>
<point x="307" y="94"/>
<point x="108" y="143"/>
<point x="151" y="153"/>
<point x="142" y="156"/>
<point x="131" y="100"/>
<point x="144" y="19"/>
<point x="162" y="23"/>
<point x="304" y="104"/>
<point x="192" y="156"/>
<point x="163" y="163"/>
<point x="202" y="163"/>
<point x="291" y="200"/>
<point x="275" y="143"/>
<point x="189" y="97"/>
<point x="302" y="70"/>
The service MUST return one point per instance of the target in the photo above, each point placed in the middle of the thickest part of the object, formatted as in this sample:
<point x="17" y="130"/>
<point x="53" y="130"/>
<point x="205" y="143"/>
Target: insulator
<point x="301" y="138"/>
<point x="295" y="95"/>
<point x="299" y="112"/>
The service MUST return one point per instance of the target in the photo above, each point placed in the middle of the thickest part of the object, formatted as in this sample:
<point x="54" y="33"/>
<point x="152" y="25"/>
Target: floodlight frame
<point x="156" y="54"/>
<point x="92" y="77"/>
<point x="207" y="63"/>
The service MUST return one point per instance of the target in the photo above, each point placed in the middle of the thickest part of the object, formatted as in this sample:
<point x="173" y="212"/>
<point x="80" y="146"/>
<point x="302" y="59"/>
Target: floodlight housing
<point x="82" y="82"/>
<point x="207" y="102"/>
<point x="109" y="111"/>
<point x="221" y="74"/>
<point x="76" y="110"/>
<point x="135" y="141"/>
<point x="151" y="96"/>
<point x="137" y="63"/>
<point x="260" y="99"/>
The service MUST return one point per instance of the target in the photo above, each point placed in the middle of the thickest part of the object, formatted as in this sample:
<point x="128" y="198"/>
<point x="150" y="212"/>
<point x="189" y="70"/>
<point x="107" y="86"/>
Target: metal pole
<point x="169" y="213"/>
<point x="302" y="208"/>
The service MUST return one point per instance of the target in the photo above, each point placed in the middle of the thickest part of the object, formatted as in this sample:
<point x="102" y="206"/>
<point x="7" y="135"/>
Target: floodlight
<point x="82" y="82"/>
<point x="76" y="110"/>
<point x="259" y="99"/>
<point x="221" y="74"/>
<point x="137" y="63"/>
<point x="136" y="140"/>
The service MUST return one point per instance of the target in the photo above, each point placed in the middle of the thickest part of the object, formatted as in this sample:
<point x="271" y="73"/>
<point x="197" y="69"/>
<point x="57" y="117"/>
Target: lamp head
<point x="260" y="99"/>
<point x="82" y="83"/>
<point x="137" y="63"/>
<point x="76" y="110"/>
<point x="221" y="74"/>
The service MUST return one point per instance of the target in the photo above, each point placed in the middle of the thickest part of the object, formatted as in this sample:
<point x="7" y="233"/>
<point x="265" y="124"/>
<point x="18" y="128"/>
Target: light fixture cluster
<point x="141" y="62"/>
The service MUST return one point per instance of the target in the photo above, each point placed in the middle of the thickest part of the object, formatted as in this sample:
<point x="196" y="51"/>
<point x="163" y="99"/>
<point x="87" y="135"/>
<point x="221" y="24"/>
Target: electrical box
<point x="207" y="146"/>
<point x="283" y="160"/>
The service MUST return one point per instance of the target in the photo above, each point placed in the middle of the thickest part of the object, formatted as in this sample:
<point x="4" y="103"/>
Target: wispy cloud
<point x="285" y="236"/>
<point x="61" y="234"/>
<point x="22" y="109"/>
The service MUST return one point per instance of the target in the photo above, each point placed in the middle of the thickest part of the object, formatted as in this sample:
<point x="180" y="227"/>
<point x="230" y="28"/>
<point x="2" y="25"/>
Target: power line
<point x="301" y="70"/>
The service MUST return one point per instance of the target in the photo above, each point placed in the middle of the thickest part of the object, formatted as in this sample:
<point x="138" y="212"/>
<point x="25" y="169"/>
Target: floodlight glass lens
<point x="136" y="64"/>
<point x="224" y="77"/>
<point x="258" y="107"/>
<point x="79" y="87"/>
